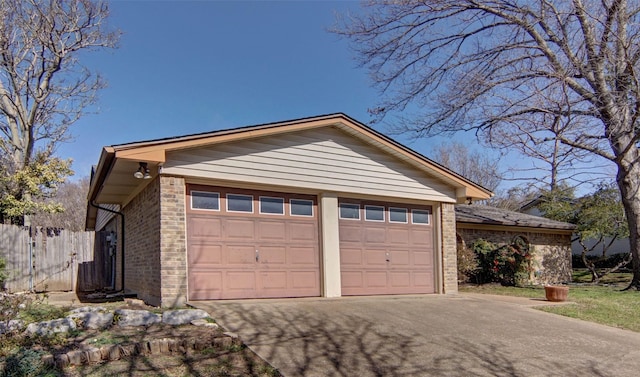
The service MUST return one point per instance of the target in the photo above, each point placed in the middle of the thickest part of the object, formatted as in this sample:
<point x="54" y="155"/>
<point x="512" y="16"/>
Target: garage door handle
<point x="388" y="257"/>
<point x="257" y="256"/>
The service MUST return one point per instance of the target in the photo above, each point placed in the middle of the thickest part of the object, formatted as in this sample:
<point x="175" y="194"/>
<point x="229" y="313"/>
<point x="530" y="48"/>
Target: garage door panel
<point x="304" y="279"/>
<point x="422" y="237"/>
<point x="239" y="229"/>
<point x="272" y="231"/>
<point x="422" y="258"/>
<point x="400" y="257"/>
<point x="206" y="254"/>
<point x="351" y="279"/>
<point x="274" y="280"/>
<point x="301" y="256"/>
<point x="400" y="279"/>
<point x="422" y="279"/>
<point x="375" y="258"/>
<point x="240" y="255"/>
<point x="350" y="232"/>
<point x="350" y="256"/>
<point x="303" y="231"/>
<point x="375" y="235"/>
<point x="398" y="236"/>
<point x="204" y="227"/>
<point x="206" y="284"/>
<point x="376" y="279"/>
<point x="239" y="280"/>
<point x="273" y="255"/>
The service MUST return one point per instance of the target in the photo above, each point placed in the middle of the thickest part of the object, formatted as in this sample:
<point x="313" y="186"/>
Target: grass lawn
<point x="604" y="303"/>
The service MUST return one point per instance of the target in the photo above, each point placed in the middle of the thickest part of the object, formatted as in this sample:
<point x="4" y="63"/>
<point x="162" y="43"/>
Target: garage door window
<point x="300" y="207"/>
<point x="397" y="215"/>
<point x="419" y="216"/>
<point x="374" y="213"/>
<point x="271" y="206"/>
<point x="239" y="203"/>
<point x="349" y="211"/>
<point x="205" y="200"/>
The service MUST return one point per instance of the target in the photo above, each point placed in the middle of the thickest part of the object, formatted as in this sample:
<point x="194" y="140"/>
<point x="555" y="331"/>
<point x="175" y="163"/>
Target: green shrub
<point x="3" y="273"/>
<point x="507" y="264"/>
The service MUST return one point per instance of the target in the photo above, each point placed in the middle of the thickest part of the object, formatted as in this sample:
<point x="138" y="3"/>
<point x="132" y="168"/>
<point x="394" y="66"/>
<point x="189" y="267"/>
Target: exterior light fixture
<point x="142" y="172"/>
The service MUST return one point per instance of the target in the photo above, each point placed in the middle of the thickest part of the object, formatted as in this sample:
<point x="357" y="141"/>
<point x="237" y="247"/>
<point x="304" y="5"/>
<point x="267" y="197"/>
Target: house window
<point x="420" y="216"/>
<point x="374" y="213"/>
<point x="205" y="200"/>
<point x="272" y="206"/>
<point x="239" y="203"/>
<point x="397" y="215"/>
<point x="349" y="211"/>
<point x="301" y="207"/>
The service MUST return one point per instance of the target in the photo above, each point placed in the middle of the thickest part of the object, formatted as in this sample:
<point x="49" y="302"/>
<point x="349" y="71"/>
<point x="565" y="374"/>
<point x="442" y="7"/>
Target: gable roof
<point x="478" y="214"/>
<point x="112" y="181"/>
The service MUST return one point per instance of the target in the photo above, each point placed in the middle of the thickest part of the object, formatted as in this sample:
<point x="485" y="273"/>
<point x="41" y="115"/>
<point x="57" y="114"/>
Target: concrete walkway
<point x="431" y="335"/>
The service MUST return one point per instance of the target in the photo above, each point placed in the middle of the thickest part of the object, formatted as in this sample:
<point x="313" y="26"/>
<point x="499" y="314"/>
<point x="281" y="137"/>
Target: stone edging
<point x="153" y="347"/>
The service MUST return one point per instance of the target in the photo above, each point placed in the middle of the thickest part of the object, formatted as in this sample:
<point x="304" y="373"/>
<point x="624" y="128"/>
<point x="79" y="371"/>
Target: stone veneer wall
<point x="173" y="250"/>
<point x="551" y="251"/>
<point x="449" y="251"/>
<point x="142" y="244"/>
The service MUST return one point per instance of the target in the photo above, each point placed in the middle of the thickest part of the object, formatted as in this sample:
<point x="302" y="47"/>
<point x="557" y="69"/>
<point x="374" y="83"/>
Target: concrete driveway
<point x="431" y="335"/>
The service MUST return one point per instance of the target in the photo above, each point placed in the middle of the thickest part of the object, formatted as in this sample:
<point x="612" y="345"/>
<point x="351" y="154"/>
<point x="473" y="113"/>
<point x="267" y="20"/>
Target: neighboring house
<point x="322" y="206"/>
<point x="618" y="246"/>
<point x="549" y="240"/>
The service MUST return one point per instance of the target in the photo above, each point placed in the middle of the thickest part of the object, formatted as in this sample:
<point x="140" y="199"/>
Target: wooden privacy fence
<point x="45" y="259"/>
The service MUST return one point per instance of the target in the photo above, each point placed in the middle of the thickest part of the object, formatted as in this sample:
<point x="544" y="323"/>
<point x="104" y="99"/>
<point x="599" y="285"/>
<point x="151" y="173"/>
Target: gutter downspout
<point x="93" y="204"/>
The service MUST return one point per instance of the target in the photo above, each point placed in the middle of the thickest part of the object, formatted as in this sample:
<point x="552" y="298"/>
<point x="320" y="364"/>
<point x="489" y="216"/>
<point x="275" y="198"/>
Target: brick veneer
<point x="142" y="244"/>
<point x="551" y="251"/>
<point x="173" y="250"/>
<point x="449" y="253"/>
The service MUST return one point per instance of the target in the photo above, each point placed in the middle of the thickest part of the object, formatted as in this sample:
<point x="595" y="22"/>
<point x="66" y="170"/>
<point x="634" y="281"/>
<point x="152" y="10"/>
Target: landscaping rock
<point x="129" y="317"/>
<point x="62" y="361"/>
<point x="77" y="357"/>
<point x="94" y="355"/>
<point x="88" y="309"/>
<point x="204" y="323"/>
<point x="93" y="319"/>
<point x="183" y="316"/>
<point x="11" y="325"/>
<point x="51" y="327"/>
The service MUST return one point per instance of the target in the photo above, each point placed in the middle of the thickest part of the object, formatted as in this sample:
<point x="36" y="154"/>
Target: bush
<point x="3" y="273"/>
<point x="508" y="264"/>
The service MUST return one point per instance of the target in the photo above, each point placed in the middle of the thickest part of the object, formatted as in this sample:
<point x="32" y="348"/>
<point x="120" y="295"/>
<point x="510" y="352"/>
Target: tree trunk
<point x="629" y="183"/>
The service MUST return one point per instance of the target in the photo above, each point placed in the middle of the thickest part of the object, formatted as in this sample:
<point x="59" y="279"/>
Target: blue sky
<point x="186" y="67"/>
<point x="189" y="67"/>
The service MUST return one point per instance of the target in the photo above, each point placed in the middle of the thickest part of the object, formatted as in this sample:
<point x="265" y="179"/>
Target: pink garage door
<point x="385" y="248"/>
<point x="251" y="244"/>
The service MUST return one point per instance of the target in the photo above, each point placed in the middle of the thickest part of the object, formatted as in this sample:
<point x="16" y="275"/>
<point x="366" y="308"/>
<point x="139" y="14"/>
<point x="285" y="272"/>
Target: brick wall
<point x="142" y="244"/>
<point x="551" y="252"/>
<point x="449" y="253"/>
<point x="173" y="256"/>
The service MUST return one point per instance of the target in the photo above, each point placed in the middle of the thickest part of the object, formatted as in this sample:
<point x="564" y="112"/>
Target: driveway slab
<point x="430" y="335"/>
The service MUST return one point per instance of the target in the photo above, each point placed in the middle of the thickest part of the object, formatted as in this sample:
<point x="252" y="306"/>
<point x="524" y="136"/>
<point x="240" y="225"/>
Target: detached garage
<point x="322" y="206"/>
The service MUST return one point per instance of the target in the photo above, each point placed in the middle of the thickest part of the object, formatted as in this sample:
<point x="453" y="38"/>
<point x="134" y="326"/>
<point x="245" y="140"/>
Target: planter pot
<point x="556" y="293"/>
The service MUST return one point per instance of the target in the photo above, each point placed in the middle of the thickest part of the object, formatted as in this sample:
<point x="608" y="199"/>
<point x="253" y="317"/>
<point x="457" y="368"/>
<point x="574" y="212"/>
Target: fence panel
<point x="58" y="258"/>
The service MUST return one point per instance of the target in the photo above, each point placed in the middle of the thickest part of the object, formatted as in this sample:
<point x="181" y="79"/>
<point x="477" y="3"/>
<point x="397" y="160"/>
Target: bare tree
<point x="478" y="167"/>
<point x="43" y="87"/>
<point x="498" y="66"/>
<point x="72" y="196"/>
